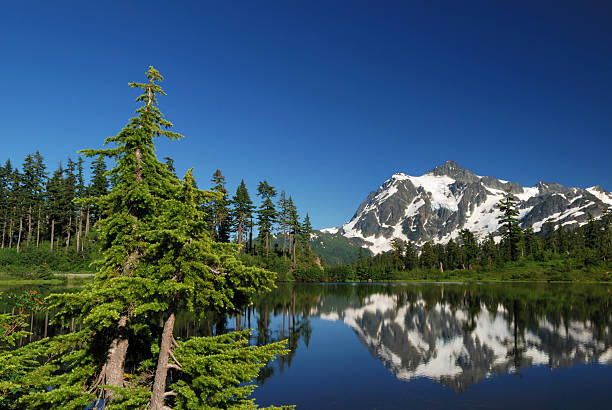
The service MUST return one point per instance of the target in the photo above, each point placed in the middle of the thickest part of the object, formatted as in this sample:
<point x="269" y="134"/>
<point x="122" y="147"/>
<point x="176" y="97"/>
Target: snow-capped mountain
<point x="437" y="205"/>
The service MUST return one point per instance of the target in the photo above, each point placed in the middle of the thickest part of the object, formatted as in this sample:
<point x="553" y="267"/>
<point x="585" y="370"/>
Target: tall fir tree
<point x="5" y="191"/>
<point x="266" y="213"/>
<point x="283" y="218"/>
<point x="511" y="230"/>
<point x="242" y="212"/>
<point x="294" y="226"/>
<point x="220" y="215"/>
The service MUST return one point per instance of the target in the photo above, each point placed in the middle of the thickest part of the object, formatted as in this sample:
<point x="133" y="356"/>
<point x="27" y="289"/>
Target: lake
<point x="392" y="346"/>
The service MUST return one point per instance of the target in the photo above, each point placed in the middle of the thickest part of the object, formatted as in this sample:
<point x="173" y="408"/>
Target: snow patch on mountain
<point x="603" y="196"/>
<point x="438" y="188"/>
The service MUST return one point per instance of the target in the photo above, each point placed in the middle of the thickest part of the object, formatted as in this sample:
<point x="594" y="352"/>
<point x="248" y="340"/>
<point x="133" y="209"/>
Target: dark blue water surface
<point x="434" y="346"/>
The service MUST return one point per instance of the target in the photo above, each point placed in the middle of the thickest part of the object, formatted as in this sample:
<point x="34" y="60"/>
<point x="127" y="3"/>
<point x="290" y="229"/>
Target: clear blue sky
<point x="324" y="99"/>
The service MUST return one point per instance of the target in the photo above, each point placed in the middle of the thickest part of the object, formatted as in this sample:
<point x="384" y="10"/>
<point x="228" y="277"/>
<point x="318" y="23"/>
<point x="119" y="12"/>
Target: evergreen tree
<point x="397" y="250"/>
<point x="283" y="217"/>
<point x="242" y="212"/>
<point x="452" y="253"/>
<point x="170" y="164"/>
<point x="68" y="205"/>
<point x="5" y="192"/>
<point x="295" y="228"/>
<point x="306" y="231"/>
<point x="33" y="187"/>
<point x="99" y="185"/>
<point x="15" y="204"/>
<point x="411" y="259"/>
<point x="428" y="257"/>
<point x="55" y="193"/>
<point x="532" y="244"/>
<point x="219" y="209"/>
<point x="469" y="248"/>
<point x="511" y="231"/>
<point x="266" y="213"/>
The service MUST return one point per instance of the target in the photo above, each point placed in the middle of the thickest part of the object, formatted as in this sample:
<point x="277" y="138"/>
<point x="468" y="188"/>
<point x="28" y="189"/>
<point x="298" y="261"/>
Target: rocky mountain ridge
<point x="437" y="205"/>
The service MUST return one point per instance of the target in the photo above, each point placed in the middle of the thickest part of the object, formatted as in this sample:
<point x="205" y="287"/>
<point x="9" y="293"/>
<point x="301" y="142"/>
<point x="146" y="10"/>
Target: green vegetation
<point x="336" y="249"/>
<point x="158" y="258"/>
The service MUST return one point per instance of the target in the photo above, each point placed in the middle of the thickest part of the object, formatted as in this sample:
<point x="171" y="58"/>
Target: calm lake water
<point x="396" y="346"/>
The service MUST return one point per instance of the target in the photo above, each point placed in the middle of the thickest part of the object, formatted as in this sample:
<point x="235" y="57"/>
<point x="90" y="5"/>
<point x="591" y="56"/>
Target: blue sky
<point x="324" y="99"/>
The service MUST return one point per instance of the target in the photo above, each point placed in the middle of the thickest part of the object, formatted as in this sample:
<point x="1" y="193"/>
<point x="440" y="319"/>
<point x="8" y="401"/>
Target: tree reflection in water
<point x="455" y="334"/>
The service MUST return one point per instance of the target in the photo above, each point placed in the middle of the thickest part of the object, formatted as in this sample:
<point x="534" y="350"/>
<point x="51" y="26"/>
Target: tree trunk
<point x="165" y="351"/>
<point x="112" y="371"/>
<point x="38" y="228"/>
<point x="80" y="231"/>
<point x="4" y="228"/>
<point x="20" y="231"/>
<point x="52" y="233"/>
<point x="284" y="236"/>
<point x="87" y="223"/>
<point x="68" y="235"/>
<point x="251" y="237"/>
<point x="11" y="230"/>
<point x="29" y="237"/>
<point x="441" y="268"/>
<point x="240" y="231"/>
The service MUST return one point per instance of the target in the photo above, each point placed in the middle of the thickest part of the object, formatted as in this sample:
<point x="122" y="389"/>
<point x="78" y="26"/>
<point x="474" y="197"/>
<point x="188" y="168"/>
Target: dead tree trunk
<point x="159" y="394"/>
<point x="38" y="228"/>
<point x="11" y="230"/>
<point x="4" y="228"/>
<point x="294" y="249"/>
<point x="29" y="237"/>
<point x="20" y="230"/>
<point x="52" y="233"/>
<point x="68" y="234"/>
<point x="80" y="231"/>
<point x="87" y="223"/>
<point x="240" y="231"/>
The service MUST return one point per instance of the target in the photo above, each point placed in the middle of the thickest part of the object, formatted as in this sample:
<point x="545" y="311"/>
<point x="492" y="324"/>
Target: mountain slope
<point x="437" y="205"/>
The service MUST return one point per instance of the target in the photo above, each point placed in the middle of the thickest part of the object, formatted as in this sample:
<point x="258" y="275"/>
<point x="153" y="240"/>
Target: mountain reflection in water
<point x="456" y="334"/>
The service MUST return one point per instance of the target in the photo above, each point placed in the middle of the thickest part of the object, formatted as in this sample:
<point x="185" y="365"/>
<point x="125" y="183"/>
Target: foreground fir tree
<point x="158" y="260"/>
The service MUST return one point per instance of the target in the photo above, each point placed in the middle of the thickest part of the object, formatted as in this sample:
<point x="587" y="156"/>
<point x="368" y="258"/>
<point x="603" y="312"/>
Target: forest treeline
<point x="47" y="218"/>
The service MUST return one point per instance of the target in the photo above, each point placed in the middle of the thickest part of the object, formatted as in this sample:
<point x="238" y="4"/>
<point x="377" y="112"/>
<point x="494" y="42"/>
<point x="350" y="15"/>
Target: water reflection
<point x="456" y="335"/>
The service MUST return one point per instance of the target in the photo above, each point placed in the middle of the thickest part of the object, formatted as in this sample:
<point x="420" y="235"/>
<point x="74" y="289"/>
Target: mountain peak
<point x="455" y="171"/>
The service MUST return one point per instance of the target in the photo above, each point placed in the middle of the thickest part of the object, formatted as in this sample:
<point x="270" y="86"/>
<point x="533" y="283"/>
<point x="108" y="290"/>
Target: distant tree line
<point x="37" y="206"/>
<point x="50" y="211"/>
<point x="280" y="232"/>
